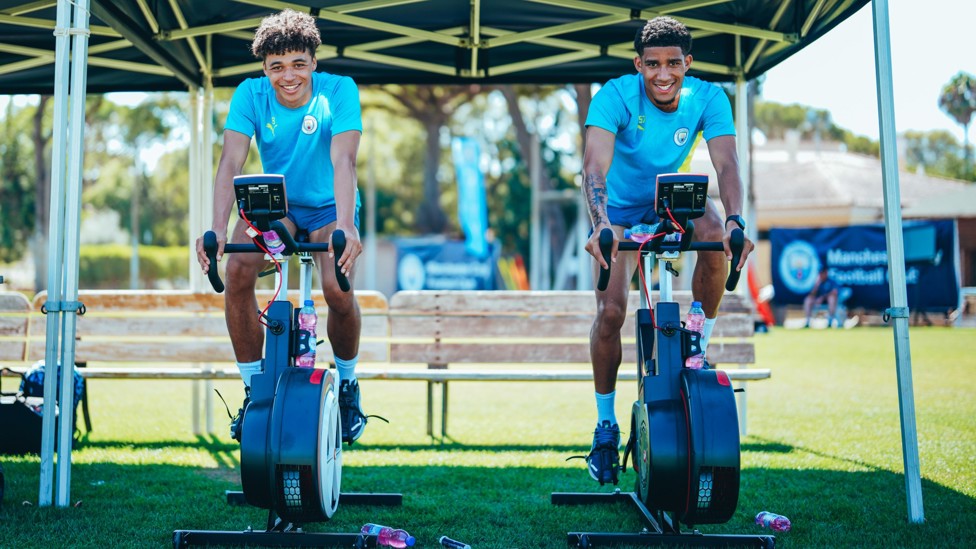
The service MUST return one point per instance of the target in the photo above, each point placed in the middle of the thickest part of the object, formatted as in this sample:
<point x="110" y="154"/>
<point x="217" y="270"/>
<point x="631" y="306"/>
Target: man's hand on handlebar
<point x="593" y="245"/>
<point x="747" y="246"/>
<point x="202" y="258"/>
<point x="354" y="247"/>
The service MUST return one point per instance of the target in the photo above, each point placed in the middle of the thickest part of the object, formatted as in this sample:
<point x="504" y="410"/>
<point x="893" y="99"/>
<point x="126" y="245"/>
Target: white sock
<point x="707" y="333"/>
<point x="605" y="408"/>
<point x="346" y="368"/>
<point x="248" y="369"/>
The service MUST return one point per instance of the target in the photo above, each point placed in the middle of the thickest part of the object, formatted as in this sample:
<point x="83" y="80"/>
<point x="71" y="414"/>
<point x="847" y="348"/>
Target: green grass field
<point x="824" y="449"/>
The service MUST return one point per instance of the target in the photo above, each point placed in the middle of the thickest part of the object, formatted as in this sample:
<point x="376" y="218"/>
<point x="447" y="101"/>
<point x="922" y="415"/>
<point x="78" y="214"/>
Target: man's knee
<point x="611" y="314"/>
<point x="240" y="275"/>
<point x="709" y="227"/>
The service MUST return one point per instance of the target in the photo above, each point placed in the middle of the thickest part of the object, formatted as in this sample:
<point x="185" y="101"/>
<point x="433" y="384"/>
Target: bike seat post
<point x="665" y="279"/>
<point x="647" y="258"/>
<point x="305" y="277"/>
<point x="281" y="278"/>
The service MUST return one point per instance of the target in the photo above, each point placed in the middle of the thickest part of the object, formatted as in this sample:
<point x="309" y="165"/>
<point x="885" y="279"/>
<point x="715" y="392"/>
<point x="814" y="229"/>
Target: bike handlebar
<point x="291" y="247"/>
<point x="736" y="242"/>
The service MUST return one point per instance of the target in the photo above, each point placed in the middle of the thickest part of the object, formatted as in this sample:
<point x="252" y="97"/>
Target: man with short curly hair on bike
<point x="307" y="126"/>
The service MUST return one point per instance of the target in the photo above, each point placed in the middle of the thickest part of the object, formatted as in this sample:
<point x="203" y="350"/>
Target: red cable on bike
<point x="262" y="247"/>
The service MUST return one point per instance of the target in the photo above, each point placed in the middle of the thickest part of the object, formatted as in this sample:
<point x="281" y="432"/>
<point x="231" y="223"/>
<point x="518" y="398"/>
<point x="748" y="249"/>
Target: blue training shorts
<point x="628" y="217"/>
<point x="312" y="219"/>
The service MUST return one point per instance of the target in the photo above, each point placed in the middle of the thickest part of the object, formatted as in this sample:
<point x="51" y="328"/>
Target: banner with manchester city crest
<point x="856" y="258"/>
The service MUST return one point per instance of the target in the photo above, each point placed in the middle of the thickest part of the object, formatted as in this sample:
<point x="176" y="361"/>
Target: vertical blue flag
<point x="472" y="203"/>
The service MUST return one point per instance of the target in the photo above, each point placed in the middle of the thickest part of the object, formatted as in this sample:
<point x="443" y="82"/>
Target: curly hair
<point x="286" y="31"/>
<point x="663" y="32"/>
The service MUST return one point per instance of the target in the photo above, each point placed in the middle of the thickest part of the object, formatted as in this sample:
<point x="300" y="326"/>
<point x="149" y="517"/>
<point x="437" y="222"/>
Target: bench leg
<point x="740" y="404"/>
<point x="208" y="404"/>
<point x="430" y="408"/>
<point x="443" y="409"/>
<point x="195" y="403"/>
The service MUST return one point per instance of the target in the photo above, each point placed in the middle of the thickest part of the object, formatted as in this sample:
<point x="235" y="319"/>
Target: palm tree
<point x="958" y="100"/>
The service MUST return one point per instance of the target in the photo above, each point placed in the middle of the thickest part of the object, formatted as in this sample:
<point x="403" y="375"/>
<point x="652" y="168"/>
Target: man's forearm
<point x="345" y="196"/>
<point x="595" y="192"/>
<point x="223" y="200"/>
<point x="730" y="191"/>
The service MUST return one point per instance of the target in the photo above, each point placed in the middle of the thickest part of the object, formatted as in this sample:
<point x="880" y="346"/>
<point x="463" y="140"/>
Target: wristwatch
<point x="738" y="221"/>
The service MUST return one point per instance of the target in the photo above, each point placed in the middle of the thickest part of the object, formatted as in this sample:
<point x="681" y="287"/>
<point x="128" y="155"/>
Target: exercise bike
<point x="684" y="435"/>
<point x="291" y="447"/>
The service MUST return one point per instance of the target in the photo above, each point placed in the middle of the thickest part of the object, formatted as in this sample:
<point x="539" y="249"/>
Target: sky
<point x="931" y="41"/>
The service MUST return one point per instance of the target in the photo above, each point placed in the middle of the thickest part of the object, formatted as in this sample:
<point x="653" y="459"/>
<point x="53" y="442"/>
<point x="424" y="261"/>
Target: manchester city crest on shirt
<point x="681" y="137"/>
<point x="309" y="124"/>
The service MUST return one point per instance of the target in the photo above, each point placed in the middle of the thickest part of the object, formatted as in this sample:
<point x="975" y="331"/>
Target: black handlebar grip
<point x="339" y="246"/>
<point x="736" y="242"/>
<point x="210" y="247"/>
<point x="606" y="246"/>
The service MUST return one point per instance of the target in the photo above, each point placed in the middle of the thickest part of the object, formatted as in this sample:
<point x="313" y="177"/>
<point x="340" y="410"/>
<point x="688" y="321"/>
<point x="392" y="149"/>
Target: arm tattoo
<point x="595" y="191"/>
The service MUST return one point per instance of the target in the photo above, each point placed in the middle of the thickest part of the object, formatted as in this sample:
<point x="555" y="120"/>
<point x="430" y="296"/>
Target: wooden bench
<point x="168" y="334"/>
<point x="414" y="337"/>
<point x="536" y="329"/>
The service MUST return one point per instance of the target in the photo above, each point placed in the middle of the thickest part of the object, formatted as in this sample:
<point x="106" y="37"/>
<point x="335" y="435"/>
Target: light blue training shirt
<point x="650" y="141"/>
<point x="297" y="142"/>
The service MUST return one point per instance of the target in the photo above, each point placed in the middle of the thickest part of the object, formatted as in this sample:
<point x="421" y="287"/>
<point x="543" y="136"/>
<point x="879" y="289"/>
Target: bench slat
<point x="519" y="302"/>
<point x="536" y="326"/>
<point x="415" y="375"/>
<point x="13" y="351"/>
<point x="189" y="351"/>
<point x="180" y="326"/>
<point x="190" y="302"/>
<point x="553" y="353"/>
<point x="527" y="375"/>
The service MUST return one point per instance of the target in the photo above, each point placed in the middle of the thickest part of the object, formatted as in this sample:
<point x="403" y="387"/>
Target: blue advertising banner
<point x="472" y="202"/>
<point x="435" y="263"/>
<point x="856" y="257"/>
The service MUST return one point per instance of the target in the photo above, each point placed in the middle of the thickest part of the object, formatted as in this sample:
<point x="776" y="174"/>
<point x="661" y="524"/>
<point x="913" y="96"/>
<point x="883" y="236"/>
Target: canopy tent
<point x="147" y="45"/>
<point x="150" y="45"/>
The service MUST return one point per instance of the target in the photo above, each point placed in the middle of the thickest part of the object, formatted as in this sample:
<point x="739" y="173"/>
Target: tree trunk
<point x="584" y="96"/>
<point x="42" y="197"/>
<point x="431" y="218"/>
<point x="551" y="213"/>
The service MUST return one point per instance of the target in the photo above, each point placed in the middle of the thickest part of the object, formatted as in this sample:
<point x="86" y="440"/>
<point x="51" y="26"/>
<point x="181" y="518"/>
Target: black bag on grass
<point x="22" y="412"/>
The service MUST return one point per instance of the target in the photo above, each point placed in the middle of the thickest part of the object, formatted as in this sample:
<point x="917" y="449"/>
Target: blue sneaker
<point x="350" y="411"/>
<point x="603" y="461"/>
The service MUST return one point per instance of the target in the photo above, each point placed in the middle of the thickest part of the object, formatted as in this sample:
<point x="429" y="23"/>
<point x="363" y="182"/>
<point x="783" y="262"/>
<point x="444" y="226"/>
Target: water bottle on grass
<point x="388" y="537"/>
<point x="776" y="523"/>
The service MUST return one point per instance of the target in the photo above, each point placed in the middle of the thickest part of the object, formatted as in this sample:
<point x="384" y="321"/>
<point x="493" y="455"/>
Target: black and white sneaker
<point x="603" y="461"/>
<point x="236" y="422"/>
<point x="350" y="411"/>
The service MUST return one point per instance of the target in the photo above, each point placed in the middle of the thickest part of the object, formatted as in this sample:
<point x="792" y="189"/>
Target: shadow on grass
<point x="140" y="505"/>
<point x="215" y="444"/>
<point x="766" y="445"/>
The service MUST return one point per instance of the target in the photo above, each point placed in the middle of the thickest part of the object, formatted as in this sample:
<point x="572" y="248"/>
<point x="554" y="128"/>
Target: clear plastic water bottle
<point x="388" y="537"/>
<point x="695" y="321"/>
<point x="273" y="241"/>
<point x="776" y="523"/>
<point x="307" y="319"/>
<point x="453" y="543"/>
<point x="641" y="232"/>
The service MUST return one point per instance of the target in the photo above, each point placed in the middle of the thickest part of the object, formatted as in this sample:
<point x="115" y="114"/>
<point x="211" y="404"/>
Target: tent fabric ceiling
<point x="158" y="45"/>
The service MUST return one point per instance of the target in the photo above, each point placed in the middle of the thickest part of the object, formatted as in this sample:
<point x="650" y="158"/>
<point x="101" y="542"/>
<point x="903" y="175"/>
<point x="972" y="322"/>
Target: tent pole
<point x="72" y="224"/>
<point x="896" y="260"/>
<point x="55" y="243"/>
